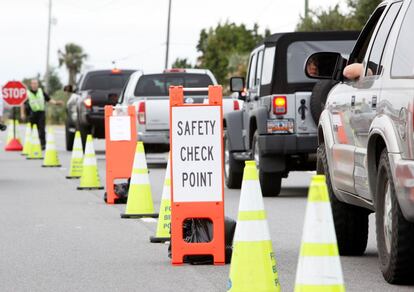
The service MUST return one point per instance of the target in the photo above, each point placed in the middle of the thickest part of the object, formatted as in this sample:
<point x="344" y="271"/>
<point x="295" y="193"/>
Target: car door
<point x="341" y="106"/>
<point x="253" y="87"/>
<point x="366" y="98"/>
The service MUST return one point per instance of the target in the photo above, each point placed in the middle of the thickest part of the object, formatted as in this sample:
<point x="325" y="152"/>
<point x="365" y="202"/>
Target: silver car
<point x="366" y="146"/>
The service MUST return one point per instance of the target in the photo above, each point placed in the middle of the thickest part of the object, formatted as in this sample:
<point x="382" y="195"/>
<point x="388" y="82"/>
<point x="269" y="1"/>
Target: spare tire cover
<point x="318" y="98"/>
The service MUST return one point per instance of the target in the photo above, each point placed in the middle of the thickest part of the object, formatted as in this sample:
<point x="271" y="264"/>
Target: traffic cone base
<point x="90" y="177"/>
<point x="76" y="161"/>
<point x="14" y="145"/>
<point x="319" y="267"/>
<point x="253" y="263"/>
<point x="139" y="202"/>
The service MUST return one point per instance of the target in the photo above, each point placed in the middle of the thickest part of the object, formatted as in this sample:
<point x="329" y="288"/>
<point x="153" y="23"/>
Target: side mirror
<point x="237" y="84"/>
<point x="69" y="89"/>
<point x="324" y="65"/>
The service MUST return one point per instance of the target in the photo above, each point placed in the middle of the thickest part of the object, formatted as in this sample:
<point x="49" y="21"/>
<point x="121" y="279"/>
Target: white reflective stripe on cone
<point x="89" y="161"/>
<point x="77" y="154"/>
<point x="319" y="271"/>
<point x="166" y="193"/>
<point x="78" y="144"/>
<point x="140" y="179"/>
<point x="89" y="148"/>
<point x="319" y="223"/>
<point x="140" y="161"/>
<point x="50" y="146"/>
<point x="250" y="191"/>
<point x="255" y="230"/>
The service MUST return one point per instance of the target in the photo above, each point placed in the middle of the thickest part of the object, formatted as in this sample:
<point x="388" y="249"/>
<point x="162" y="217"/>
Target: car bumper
<point x="288" y="144"/>
<point x="404" y="184"/>
<point x="155" y="137"/>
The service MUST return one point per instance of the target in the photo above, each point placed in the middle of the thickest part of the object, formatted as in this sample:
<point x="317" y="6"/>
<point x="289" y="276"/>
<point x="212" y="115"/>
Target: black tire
<point x="396" y="260"/>
<point x="270" y="182"/>
<point x="233" y="169"/>
<point x="69" y="137"/>
<point x="318" y="98"/>
<point x="351" y="222"/>
<point x="84" y="132"/>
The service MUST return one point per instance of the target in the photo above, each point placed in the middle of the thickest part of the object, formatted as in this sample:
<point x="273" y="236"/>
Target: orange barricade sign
<point x="120" y="141"/>
<point x="197" y="190"/>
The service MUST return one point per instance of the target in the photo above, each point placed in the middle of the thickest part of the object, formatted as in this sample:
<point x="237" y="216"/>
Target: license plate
<point x="279" y="126"/>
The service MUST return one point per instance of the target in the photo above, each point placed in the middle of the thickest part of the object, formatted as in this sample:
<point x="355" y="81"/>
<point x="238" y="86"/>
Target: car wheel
<point x="395" y="235"/>
<point x="69" y="137"/>
<point x="351" y="222"/>
<point x="270" y="182"/>
<point x="233" y="169"/>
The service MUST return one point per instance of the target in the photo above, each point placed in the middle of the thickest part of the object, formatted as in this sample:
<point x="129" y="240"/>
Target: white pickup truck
<point x="150" y="95"/>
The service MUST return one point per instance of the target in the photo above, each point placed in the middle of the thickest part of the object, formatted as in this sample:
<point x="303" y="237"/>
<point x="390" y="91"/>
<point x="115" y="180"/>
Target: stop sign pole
<point x="14" y="94"/>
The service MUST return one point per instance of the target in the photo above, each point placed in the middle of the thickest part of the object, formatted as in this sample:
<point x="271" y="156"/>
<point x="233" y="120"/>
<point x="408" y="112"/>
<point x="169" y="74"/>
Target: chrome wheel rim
<point x="388" y="217"/>
<point x="226" y="159"/>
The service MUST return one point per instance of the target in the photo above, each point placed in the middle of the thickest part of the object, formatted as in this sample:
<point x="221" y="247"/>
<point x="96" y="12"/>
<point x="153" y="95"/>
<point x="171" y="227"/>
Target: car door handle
<point x="374" y="102"/>
<point x="353" y="101"/>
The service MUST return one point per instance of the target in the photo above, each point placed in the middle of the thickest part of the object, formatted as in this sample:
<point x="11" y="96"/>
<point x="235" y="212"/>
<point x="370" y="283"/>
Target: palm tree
<point x="72" y="57"/>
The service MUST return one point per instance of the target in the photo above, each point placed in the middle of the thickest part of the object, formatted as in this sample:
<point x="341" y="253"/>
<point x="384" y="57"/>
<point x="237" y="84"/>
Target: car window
<point x="298" y="52"/>
<point x="252" y="71"/>
<point x="105" y="81"/>
<point x="159" y="84"/>
<point x="374" y="62"/>
<point x="403" y="63"/>
<point x="259" y="68"/>
<point x="361" y="47"/>
<point x="268" y="62"/>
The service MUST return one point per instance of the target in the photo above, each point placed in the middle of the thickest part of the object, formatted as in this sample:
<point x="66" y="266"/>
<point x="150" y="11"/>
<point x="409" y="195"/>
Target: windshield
<point x="159" y="84"/>
<point x="105" y="81"/>
<point x="298" y="53"/>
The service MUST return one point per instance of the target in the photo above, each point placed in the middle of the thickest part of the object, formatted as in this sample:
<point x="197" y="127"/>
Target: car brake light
<point x="175" y="70"/>
<point x="279" y="105"/>
<point x="141" y="113"/>
<point x="115" y="71"/>
<point x="236" y="105"/>
<point x="88" y="102"/>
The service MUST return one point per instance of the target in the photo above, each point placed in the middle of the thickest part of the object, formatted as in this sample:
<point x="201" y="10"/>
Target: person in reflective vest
<point x="35" y="108"/>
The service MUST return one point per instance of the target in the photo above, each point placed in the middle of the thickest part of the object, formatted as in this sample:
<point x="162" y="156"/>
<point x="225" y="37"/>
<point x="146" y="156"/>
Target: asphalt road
<point x="55" y="238"/>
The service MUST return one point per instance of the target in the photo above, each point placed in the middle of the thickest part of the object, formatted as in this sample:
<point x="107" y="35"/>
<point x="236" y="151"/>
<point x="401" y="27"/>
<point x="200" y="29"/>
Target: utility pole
<point x="49" y="28"/>
<point x="168" y="35"/>
<point x="306" y="8"/>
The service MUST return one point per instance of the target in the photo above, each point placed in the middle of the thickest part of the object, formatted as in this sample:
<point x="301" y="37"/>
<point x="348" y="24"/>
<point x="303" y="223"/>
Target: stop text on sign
<point x="16" y="93"/>
<point x="196" y="137"/>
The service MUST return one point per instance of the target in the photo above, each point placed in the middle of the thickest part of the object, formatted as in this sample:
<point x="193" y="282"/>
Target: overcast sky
<point x="131" y="32"/>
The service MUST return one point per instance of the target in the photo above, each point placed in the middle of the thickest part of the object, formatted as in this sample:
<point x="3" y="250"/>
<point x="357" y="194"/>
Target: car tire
<point x="318" y="98"/>
<point x="395" y="235"/>
<point x="351" y="222"/>
<point x="270" y="182"/>
<point x="69" y="137"/>
<point x="84" y="132"/>
<point x="233" y="169"/>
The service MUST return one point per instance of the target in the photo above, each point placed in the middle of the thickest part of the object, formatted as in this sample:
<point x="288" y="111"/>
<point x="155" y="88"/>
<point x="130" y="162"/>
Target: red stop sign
<point x="14" y="93"/>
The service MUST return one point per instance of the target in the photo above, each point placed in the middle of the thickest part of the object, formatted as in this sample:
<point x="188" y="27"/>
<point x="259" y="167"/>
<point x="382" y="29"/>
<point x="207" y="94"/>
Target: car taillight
<point x="141" y="113"/>
<point x="88" y="102"/>
<point x="236" y="105"/>
<point x="279" y="105"/>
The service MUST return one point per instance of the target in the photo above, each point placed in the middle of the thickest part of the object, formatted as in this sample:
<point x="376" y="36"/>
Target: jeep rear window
<point x="298" y="53"/>
<point x="105" y="81"/>
<point x="159" y="84"/>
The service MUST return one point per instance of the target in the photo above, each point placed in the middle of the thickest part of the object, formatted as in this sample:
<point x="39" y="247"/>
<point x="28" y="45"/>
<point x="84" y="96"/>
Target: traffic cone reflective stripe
<point x="28" y="133"/>
<point x="319" y="267"/>
<point x="76" y="161"/>
<point x="139" y="203"/>
<point x="163" y="232"/>
<point x="51" y="155"/>
<point x="35" y="149"/>
<point x="90" y="177"/>
<point x="253" y="263"/>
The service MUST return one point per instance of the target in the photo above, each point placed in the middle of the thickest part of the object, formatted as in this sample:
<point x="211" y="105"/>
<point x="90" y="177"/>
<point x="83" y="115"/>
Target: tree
<point x="334" y="19"/>
<point x="72" y="57"/>
<point x="54" y="82"/>
<point x="217" y="45"/>
<point x="182" y="63"/>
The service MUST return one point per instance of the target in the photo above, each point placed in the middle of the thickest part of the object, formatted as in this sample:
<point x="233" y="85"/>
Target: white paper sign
<point x="120" y="128"/>
<point x="336" y="120"/>
<point x="197" y="167"/>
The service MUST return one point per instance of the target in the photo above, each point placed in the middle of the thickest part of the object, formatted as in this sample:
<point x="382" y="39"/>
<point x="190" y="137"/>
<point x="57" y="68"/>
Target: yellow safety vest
<point x="36" y="101"/>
